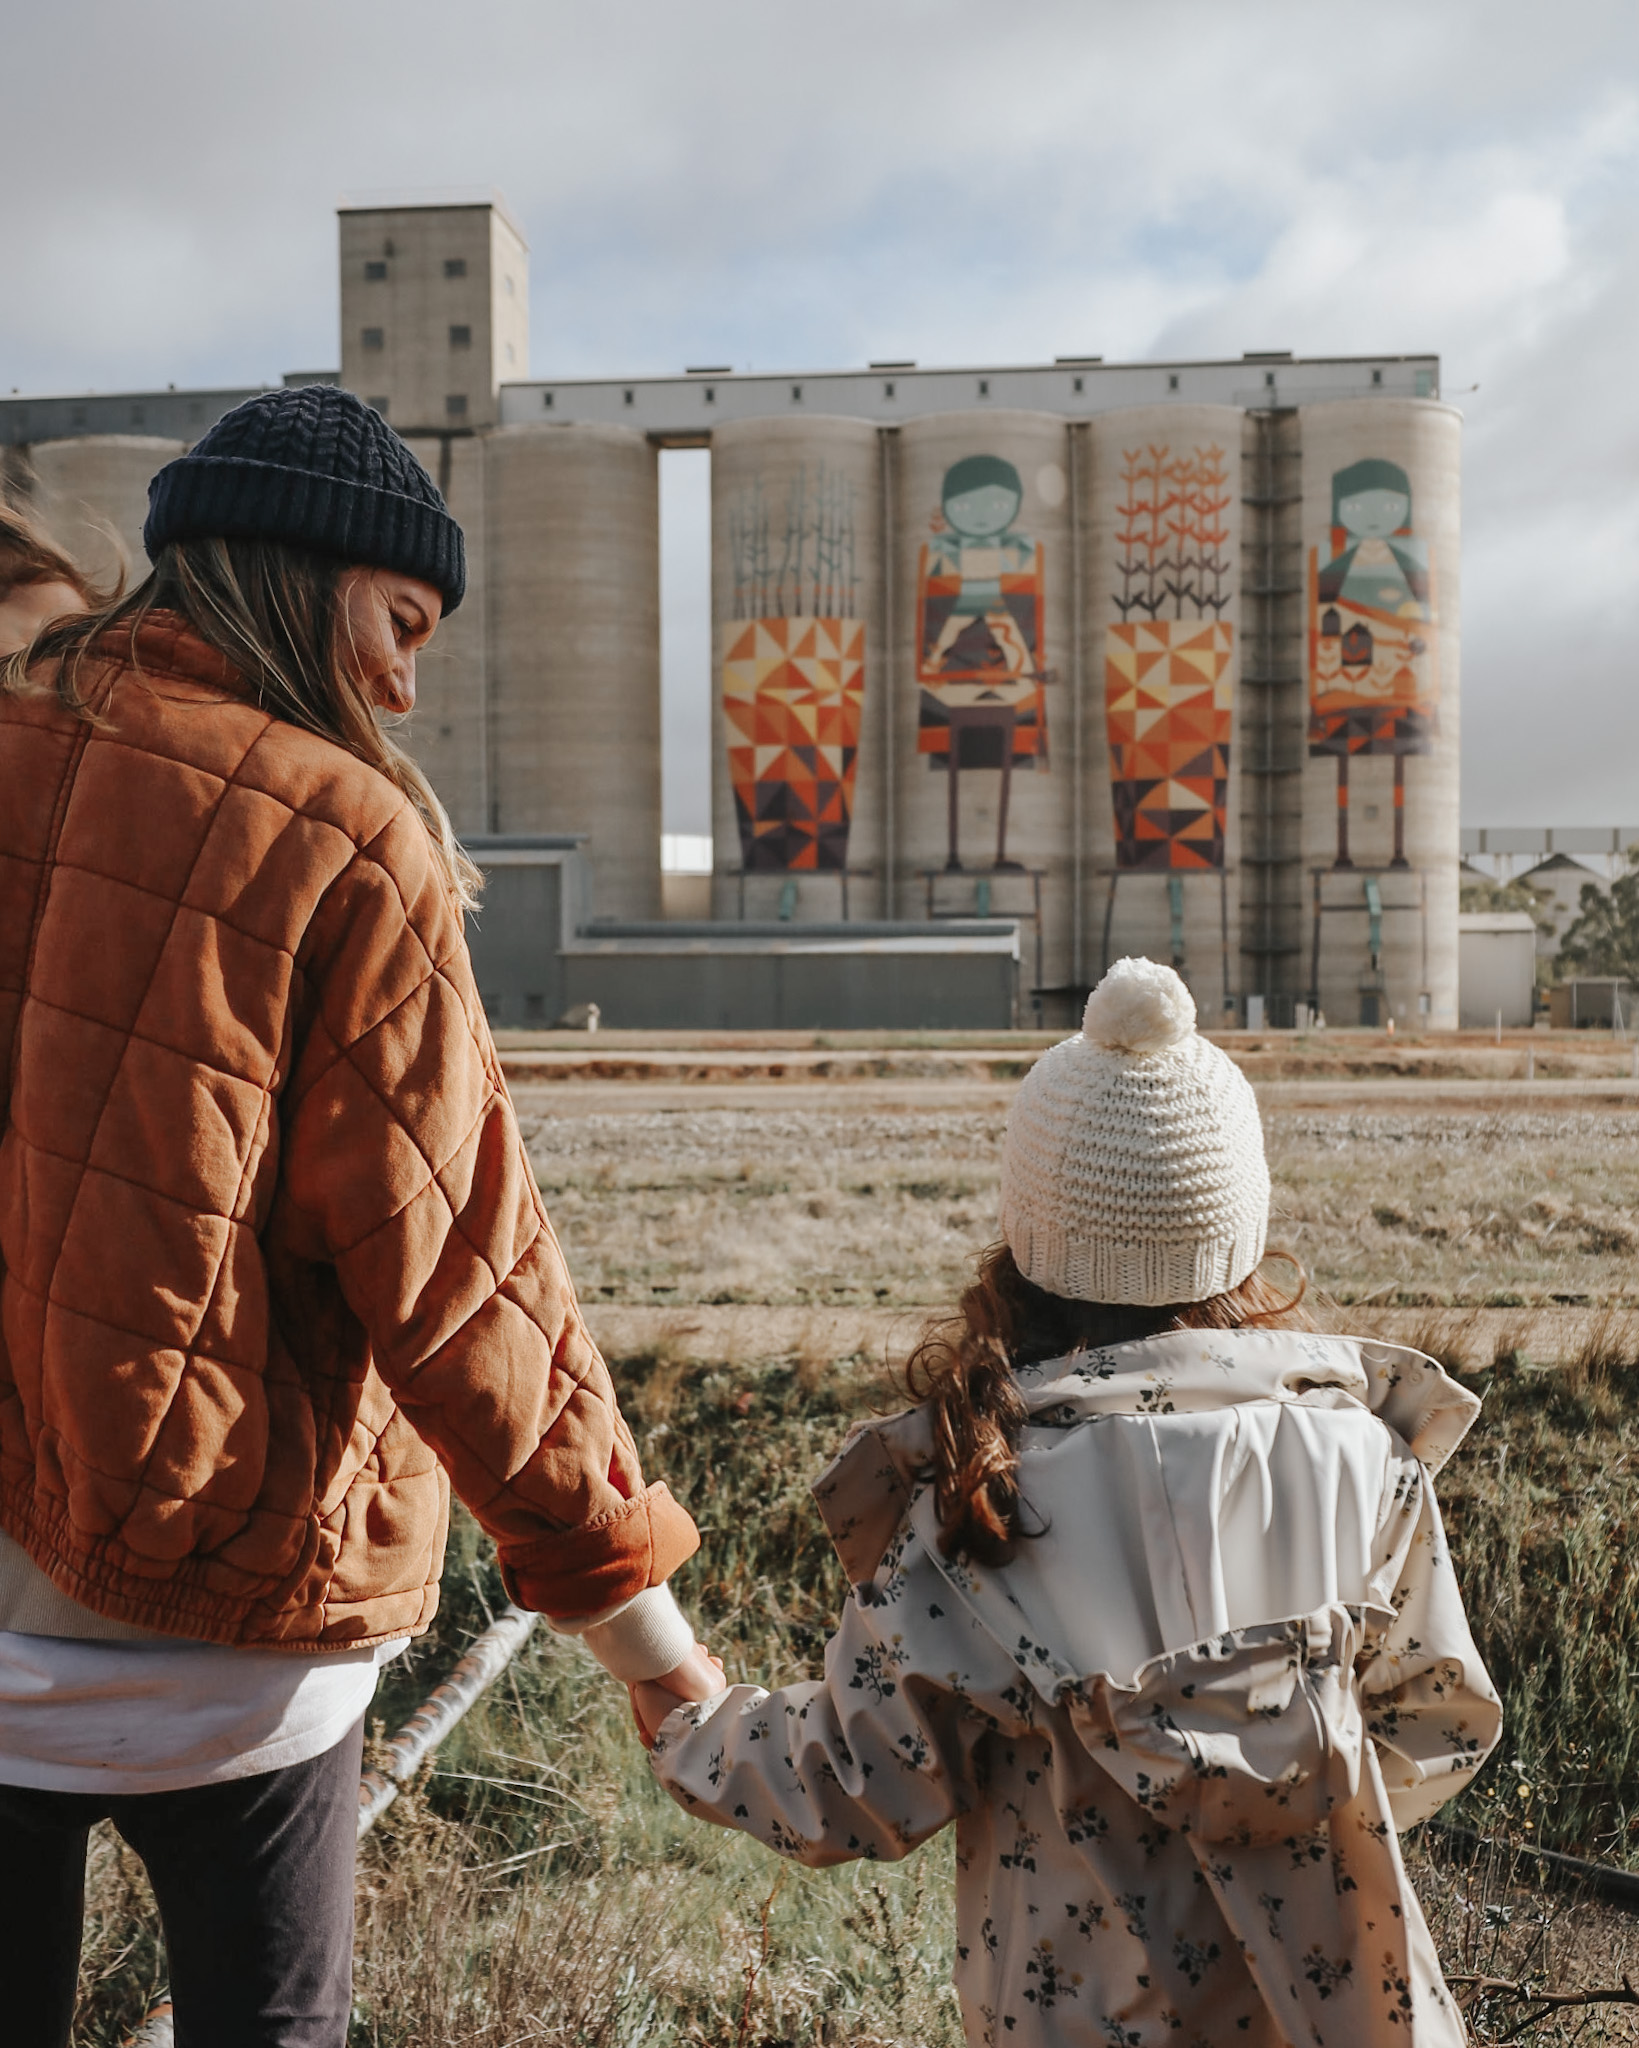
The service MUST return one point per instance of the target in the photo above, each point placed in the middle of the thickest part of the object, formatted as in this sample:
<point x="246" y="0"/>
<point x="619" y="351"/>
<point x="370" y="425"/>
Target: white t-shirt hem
<point x="170" y="1716"/>
<point x="111" y="1780"/>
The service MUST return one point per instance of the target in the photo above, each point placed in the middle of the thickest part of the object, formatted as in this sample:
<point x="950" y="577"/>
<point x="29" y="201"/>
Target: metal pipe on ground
<point x="1602" y="1880"/>
<point x="448" y="1702"/>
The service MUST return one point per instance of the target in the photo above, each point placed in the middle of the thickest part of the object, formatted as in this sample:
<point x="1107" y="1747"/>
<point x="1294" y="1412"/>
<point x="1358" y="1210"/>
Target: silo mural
<point x="1162" y="572"/>
<point x="1380" y="608"/>
<point x="1374" y="675"/>
<point x="980" y="661"/>
<point x="982" y="752"/>
<point x="1168" y="686"/>
<point x="794" y="669"/>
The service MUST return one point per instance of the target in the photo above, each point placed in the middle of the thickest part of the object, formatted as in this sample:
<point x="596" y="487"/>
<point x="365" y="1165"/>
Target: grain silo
<point x="450" y="731"/>
<point x="1381" y="530"/>
<point x="798" y="749"/>
<point x="571" y="526"/>
<point x="982" y="658"/>
<point x="92" y="494"/>
<point x="1160" y="597"/>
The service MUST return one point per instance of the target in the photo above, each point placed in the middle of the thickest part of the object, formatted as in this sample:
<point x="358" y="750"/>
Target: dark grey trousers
<point x="254" y="1880"/>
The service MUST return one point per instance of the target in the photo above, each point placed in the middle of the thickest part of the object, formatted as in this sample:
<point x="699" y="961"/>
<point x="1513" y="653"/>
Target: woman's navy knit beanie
<point x="316" y="468"/>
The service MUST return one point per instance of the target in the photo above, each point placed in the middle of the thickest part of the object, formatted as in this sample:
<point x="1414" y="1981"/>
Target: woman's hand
<point x="698" y="1677"/>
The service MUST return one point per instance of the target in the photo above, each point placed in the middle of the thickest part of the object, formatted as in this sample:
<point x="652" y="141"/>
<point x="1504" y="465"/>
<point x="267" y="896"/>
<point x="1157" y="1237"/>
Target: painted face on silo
<point x="1374" y="515"/>
<point x="1371" y="499"/>
<point x="982" y="496"/>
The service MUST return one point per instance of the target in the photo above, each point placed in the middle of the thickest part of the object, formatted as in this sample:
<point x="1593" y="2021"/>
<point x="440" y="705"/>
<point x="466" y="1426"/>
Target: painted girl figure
<point x="1374" y="683"/>
<point x="981" y="701"/>
<point x="1381" y="566"/>
<point x="1150" y="1597"/>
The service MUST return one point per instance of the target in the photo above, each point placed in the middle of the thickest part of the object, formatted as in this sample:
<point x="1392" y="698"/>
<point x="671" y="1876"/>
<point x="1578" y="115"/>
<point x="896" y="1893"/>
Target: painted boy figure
<point x="979" y="608"/>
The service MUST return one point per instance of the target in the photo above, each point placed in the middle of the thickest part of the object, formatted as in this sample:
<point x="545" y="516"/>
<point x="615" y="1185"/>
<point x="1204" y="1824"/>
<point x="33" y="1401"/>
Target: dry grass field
<point x="758" y="1229"/>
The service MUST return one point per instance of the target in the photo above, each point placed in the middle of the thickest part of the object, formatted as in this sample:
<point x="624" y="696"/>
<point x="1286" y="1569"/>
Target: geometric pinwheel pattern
<point x="793" y="690"/>
<point x="1168" y="704"/>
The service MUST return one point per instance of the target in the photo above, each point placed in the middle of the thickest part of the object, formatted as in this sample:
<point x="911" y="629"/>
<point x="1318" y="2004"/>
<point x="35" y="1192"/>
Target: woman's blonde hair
<point x="28" y="555"/>
<point x="274" y="612"/>
<point x="962" y="1370"/>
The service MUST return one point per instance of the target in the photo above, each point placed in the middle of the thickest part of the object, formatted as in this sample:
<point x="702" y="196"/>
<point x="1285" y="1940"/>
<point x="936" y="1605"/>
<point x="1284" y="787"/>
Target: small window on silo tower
<point x="375" y="272"/>
<point x="1172" y="380"/>
<point x="1377" y="376"/>
<point x="455" y="266"/>
<point x="374" y="337"/>
<point x="455" y="406"/>
<point x="460" y="337"/>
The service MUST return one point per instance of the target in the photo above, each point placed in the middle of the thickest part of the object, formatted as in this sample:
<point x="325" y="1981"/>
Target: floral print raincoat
<point x="1178" y="1733"/>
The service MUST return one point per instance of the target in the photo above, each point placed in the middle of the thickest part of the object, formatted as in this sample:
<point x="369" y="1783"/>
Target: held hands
<point x="698" y="1677"/>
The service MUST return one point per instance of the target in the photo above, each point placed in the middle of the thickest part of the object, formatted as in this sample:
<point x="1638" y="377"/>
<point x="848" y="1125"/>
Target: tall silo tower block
<point x="798" y="747"/>
<point x="983" y="722"/>
<point x="572" y="678"/>
<point x="450" y="730"/>
<point x="1163" y="746"/>
<point x="92" y="494"/>
<point x="434" y="309"/>
<point x="1381" y="535"/>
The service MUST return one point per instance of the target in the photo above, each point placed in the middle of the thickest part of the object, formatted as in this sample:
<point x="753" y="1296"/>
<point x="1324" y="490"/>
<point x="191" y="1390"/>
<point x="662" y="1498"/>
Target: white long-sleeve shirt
<point x="1151" y="1728"/>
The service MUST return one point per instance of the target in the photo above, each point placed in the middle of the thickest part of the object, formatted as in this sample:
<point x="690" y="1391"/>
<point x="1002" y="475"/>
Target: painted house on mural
<point x="1075" y="659"/>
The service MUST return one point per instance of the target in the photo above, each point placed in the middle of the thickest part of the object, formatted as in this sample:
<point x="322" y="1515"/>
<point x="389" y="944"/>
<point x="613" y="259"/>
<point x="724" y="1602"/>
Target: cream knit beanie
<point x="1133" y="1167"/>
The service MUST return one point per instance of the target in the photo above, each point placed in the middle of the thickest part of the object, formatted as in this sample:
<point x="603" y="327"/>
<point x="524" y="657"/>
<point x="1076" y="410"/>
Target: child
<point x="1150" y="1597"/>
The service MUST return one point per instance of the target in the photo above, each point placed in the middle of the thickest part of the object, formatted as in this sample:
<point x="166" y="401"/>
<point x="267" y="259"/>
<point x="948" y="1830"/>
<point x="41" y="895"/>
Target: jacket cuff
<point x="606" y="1562"/>
<point x="646" y="1638"/>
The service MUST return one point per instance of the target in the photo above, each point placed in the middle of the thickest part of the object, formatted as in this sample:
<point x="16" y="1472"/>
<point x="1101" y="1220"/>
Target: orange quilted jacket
<point x="272" y="1260"/>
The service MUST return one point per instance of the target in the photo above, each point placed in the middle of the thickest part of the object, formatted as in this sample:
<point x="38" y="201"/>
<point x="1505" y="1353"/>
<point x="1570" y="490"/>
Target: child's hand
<point x="698" y="1677"/>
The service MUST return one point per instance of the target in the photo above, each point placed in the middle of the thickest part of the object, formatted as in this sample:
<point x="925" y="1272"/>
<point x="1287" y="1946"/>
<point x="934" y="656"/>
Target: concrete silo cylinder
<point x="798" y="748"/>
<point x="985" y="726"/>
<point x="1161" y="600"/>
<point x="572" y="518"/>
<point x="92" y="495"/>
<point x="1380" y="567"/>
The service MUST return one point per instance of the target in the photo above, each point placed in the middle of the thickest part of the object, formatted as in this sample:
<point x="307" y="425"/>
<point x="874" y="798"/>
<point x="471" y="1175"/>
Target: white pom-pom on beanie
<point x="1133" y="1166"/>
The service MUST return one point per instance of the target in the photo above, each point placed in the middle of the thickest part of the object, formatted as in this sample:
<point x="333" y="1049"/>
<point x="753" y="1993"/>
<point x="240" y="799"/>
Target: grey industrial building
<point x="1014" y="669"/>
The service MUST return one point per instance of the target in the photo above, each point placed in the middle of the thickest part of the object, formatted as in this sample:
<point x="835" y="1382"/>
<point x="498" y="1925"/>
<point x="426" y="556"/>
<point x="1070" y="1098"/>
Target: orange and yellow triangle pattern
<point x="1169" y="709"/>
<point x="793" y="691"/>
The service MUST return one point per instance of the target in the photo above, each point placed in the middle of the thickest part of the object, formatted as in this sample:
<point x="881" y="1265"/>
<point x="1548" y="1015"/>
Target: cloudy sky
<point x="767" y="184"/>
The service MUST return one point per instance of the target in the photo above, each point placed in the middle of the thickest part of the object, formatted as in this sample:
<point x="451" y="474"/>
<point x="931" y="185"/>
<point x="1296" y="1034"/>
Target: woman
<point x="1150" y="1598"/>
<point x="38" y="582"/>
<point x="274" y="1272"/>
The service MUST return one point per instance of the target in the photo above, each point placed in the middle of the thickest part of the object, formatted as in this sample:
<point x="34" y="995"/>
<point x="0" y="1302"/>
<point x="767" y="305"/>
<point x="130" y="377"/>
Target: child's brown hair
<point x="962" y="1370"/>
